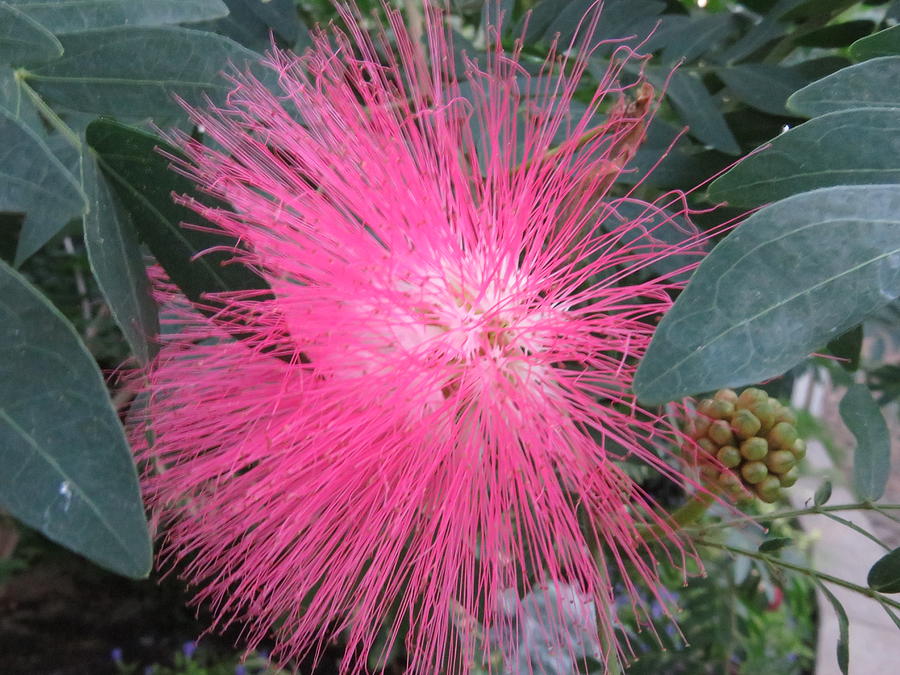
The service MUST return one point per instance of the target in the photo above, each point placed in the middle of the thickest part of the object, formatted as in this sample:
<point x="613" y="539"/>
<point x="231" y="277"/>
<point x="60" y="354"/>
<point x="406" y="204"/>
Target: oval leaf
<point x="73" y="16"/>
<point x="773" y="291"/>
<point x="853" y="147"/>
<point x="24" y="39"/>
<point x="136" y="72"/>
<point x="843" y="643"/>
<point x="823" y="494"/>
<point x="34" y="182"/>
<point x="884" y="576"/>
<point x="872" y="459"/>
<point x="775" y="544"/>
<point x="872" y="84"/>
<point x="882" y="43"/>
<point x="115" y="257"/>
<point x="68" y="469"/>
<point x="762" y="86"/>
<point x="144" y="182"/>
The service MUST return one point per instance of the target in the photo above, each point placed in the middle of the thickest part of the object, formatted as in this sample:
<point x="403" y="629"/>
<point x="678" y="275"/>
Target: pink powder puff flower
<point x="459" y="300"/>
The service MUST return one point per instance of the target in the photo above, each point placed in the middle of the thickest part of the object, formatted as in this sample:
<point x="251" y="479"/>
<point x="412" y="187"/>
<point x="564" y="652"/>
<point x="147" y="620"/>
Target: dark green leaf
<point x="696" y="107"/>
<point x="14" y="101"/>
<point x="884" y="576"/>
<point x="847" y="347"/>
<point x="764" y="32"/>
<point x="854" y="147"/>
<point x="73" y="16"/>
<point x="620" y="19"/>
<point x="823" y="494"/>
<point x="135" y="72"/>
<point x="836" y="35"/>
<point x="882" y="43"/>
<point x="118" y="267"/>
<point x="34" y="182"/>
<point x="144" y="183"/>
<point x="69" y="471"/>
<point x="773" y="291"/>
<point x="843" y="644"/>
<point x="775" y="544"/>
<point x="251" y="23"/>
<point x="871" y="84"/>
<point x="698" y="36"/>
<point x="24" y="39"/>
<point x="872" y="459"/>
<point x="815" y="8"/>
<point x="762" y="86"/>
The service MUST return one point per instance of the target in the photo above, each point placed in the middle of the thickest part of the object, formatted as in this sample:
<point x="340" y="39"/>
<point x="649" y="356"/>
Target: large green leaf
<point x="252" y="23"/>
<point x="73" y="16"/>
<point x="871" y="84"/>
<point x="872" y="459"/>
<point x="34" y="182"/>
<point x="882" y="43"/>
<point x="884" y="575"/>
<point x="24" y="39"/>
<point x="67" y="467"/>
<point x="135" y="72"/>
<point x="852" y="147"/>
<point x="790" y="278"/>
<point x="696" y="107"/>
<point x="762" y="86"/>
<point x="143" y="181"/>
<point x="118" y="266"/>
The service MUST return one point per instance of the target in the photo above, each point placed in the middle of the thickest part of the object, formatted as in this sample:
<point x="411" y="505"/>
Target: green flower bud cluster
<point x="754" y="439"/>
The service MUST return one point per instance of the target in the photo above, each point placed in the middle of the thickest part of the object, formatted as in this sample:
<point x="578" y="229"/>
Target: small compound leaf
<point x="774" y="291"/>
<point x="884" y="576"/>
<point x="117" y="264"/>
<point x="761" y="86"/>
<point x="696" y="107"/>
<point x="68" y="469"/>
<point x="253" y="23"/>
<point x="823" y="494"/>
<point x="843" y="643"/>
<point x="882" y="43"/>
<point x="775" y="544"/>
<point x="144" y="183"/>
<point x="34" y="182"/>
<point x="136" y="72"/>
<point x="73" y="16"/>
<point x="22" y="39"/>
<point x="852" y="147"/>
<point x="872" y="459"/>
<point x="871" y="84"/>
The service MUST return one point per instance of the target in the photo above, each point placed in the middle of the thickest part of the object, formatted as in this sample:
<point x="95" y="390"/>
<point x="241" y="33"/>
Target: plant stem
<point x="812" y="510"/>
<point x="20" y="76"/>
<point x="801" y="569"/>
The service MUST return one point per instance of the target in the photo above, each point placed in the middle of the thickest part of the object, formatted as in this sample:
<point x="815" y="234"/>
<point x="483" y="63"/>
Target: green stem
<point x="801" y="569"/>
<point x="812" y="510"/>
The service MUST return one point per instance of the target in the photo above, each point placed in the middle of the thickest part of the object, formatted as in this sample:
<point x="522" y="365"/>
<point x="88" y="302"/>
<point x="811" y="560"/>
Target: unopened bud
<point x="780" y="461"/>
<point x="754" y="448"/>
<point x="750" y="397"/>
<point x="745" y="424"/>
<point x="789" y="478"/>
<point x="720" y="432"/>
<point x="708" y="446"/>
<point x="765" y="412"/>
<point x="754" y="472"/>
<point x="798" y="447"/>
<point x="783" y="436"/>
<point x="768" y="489"/>
<point x="726" y="395"/>
<point x="730" y="482"/>
<point x="730" y="456"/>
<point x="701" y="426"/>
<point x="784" y="414"/>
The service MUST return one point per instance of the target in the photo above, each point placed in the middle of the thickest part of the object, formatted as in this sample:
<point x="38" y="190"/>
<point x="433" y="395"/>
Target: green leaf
<point x="843" y="643"/>
<point x="847" y="347"/>
<point x="69" y="471"/>
<point x="117" y="264"/>
<point x="144" y="183"/>
<point x="823" y="494"/>
<point x="696" y="107"/>
<point x="842" y="148"/>
<point x="775" y="544"/>
<point x="884" y="576"/>
<point x="773" y="291"/>
<point x="762" y="86"/>
<point x="871" y="84"/>
<point x="883" y="43"/>
<point x="73" y="16"/>
<point x="136" y="72"/>
<point x="872" y="459"/>
<point x="34" y="182"/>
<point x="13" y="101"/>
<point x="698" y="36"/>
<point x="836" y="35"/>
<point x="24" y="39"/>
<point x="251" y="23"/>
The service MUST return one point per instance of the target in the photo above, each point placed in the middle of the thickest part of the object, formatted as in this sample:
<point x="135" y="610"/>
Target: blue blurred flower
<point x="116" y="655"/>
<point x="240" y="670"/>
<point x="188" y="649"/>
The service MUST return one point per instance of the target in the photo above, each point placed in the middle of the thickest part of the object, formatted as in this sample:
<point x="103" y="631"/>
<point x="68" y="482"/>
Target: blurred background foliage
<point x="84" y="204"/>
